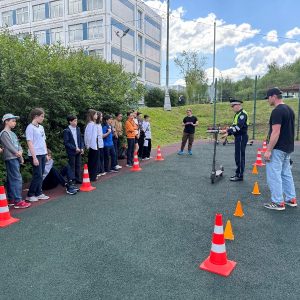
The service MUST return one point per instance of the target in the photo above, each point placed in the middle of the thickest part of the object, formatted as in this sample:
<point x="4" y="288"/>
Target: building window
<point x="97" y="53"/>
<point x="39" y="12"/>
<point x="140" y="20"/>
<point x="22" y="15"/>
<point x="140" y="68"/>
<point x="7" y="18"/>
<point x="94" y="4"/>
<point x="56" y="9"/>
<point x="95" y="30"/>
<point x="56" y="35"/>
<point x="75" y="33"/>
<point x="140" y="44"/>
<point x="40" y="36"/>
<point x="75" y="6"/>
<point x="22" y="35"/>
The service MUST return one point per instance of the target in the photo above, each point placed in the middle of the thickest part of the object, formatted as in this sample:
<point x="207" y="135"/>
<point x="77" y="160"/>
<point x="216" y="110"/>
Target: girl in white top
<point x="37" y="151"/>
<point x="100" y="171"/>
<point x="91" y="143"/>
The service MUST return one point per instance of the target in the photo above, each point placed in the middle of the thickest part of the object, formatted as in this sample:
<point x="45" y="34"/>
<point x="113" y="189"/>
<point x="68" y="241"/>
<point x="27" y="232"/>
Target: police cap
<point x="235" y="101"/>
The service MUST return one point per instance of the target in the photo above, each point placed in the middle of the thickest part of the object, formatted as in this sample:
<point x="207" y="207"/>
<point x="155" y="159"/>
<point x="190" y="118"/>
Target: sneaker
<point x="118" y="167"/>
<point x="22" y="204"/>
<point x="180" y="152"/>
<point x="43" y="197"/>
<point x="292" y="202"/>
<point x="10" y="203"/>
<point x="236" y="178"/>
<point x="71" y="191"/>
<point x="32" y="199"/>
<point x="74" y="187"/>
<point x="114" y="171"/>
<point x="190" y="152"/>
<point x="147" y="158"/>
<point x="129" y="166"/>
<point x="275" y="206"/>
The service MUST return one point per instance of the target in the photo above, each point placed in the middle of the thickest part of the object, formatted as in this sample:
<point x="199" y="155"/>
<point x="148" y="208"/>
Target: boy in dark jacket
<point x="74" y="147"/>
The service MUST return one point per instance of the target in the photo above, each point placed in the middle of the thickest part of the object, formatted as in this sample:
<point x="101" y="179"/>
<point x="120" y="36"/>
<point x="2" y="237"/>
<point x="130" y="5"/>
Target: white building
<point x="93" y="25"/>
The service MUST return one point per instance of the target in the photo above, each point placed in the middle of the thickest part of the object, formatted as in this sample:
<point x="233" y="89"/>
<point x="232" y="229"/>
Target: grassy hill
<point x="167" y="129"/>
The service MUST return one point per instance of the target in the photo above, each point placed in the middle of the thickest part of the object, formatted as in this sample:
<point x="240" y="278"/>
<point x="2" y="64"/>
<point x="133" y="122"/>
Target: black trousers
<point x="54" y="178"/>
<point x="75" y="165"/>
<point x="93" y="162"/>
<point x="147" y="149"/>
<point x="240" y="143"/>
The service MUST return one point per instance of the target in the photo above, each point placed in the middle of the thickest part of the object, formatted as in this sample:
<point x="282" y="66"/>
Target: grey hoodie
<point x="10" y="144"/>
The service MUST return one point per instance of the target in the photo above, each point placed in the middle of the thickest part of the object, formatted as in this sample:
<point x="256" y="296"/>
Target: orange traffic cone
<point x="136" y="165"/>
<point x="86" y="184"/>
<point x="5" y="217"/>
<point x="259" y="162"/>
<point x="239" y="210"/>
<point x="256" y="189"/>
<point x="264" y="148"/>
<point x="217" y="261"/>
<point x="159" y="156"/>
<point x="228" y="233"/>
<point x="254" y="170"/>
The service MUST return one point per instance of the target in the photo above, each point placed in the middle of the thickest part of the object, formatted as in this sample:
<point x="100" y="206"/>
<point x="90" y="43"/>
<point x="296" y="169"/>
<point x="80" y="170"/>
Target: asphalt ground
<point x="143" y="235"/>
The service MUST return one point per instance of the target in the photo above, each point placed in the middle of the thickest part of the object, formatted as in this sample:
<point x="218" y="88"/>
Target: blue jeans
<point x="279" y="177"/>
<point x="35" y="188"/>
<point x="14" y="180"/>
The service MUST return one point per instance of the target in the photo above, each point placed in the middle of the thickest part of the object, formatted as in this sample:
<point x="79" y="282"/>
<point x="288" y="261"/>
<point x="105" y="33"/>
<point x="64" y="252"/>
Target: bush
<point x="62" y="82"/>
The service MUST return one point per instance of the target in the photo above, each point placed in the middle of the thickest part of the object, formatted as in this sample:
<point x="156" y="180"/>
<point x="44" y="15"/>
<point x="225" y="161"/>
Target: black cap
<point x="235" y="101"/>
<point x="273" y="91"/>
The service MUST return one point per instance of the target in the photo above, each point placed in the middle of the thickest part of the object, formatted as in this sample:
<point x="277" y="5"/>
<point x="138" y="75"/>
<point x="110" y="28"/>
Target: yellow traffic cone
<point x="254" y="170"/>
<point x="239" y="210"/>
<point x="256" y="189"/>
<point x="228" y="234"/>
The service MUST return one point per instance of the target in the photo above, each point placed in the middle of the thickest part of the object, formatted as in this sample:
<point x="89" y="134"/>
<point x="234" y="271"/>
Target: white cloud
<point x="197" y="34"/>
<point x="272" y="36"/>
<point x="295" y="31"/>
<point x="180" y="82"/>
<point x="253" y="60"/>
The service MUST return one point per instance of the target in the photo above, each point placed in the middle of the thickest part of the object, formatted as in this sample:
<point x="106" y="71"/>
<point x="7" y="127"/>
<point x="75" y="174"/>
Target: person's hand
<point x="78" y="150"/>
<point x="109" y="130"/>
<point x="19" y="154"/>
<point x="1" y="150"/>
<point x="81" y="151"/>
<point x="223" y="131"/>
<point x="22" y="160"/>
<point x="267" y="155"/>
<point x="36" y="161"/>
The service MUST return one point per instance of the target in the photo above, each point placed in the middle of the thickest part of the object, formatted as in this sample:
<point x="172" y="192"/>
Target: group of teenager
<point x="102" y="139"/>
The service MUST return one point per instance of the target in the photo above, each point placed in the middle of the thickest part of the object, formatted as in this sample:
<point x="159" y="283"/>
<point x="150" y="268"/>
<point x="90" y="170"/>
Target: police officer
<point x="239" y="129"/>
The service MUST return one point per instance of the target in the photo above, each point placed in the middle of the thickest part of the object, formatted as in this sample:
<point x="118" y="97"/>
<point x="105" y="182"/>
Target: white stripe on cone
<point x="218" y="229"/>
<point x="4" y="209"/>
<point x="2" y="197"/>
<point x="85" y="180"/>
<point x="218" y="248"/>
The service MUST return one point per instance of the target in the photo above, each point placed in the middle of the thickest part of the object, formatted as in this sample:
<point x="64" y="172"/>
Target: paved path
<point x="142" y="236"/>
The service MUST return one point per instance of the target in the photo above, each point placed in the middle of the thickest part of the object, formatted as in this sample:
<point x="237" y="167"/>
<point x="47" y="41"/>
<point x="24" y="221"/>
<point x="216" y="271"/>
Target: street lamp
<point x="167" y="102"/>
<point x="121" y="35"/>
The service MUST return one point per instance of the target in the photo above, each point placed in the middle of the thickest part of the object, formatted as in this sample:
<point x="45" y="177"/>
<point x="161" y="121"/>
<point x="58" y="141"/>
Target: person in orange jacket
<point x="131" y="130"/>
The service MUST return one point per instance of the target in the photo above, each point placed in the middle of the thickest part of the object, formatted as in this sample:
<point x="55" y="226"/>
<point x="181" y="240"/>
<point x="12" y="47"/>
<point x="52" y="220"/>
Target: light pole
<point x="121" y="35"/>
<point x="167" y="102"/>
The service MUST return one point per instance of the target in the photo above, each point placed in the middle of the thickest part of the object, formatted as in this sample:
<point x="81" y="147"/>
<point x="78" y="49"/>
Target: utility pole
<point x="254" y="107"/>
<point x="121" y="35"/>
<point x="214" y="59"/>
<point x="167" y="102"/>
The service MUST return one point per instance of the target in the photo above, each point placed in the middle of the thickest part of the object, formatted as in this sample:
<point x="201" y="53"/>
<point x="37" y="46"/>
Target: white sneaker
<point x="118" y="167"/>
<point x="43" y="197"/>
<point x="32" y="199"/>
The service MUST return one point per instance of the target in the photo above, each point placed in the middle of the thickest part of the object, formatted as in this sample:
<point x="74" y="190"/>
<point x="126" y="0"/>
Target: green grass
<point x="166" y="125"/>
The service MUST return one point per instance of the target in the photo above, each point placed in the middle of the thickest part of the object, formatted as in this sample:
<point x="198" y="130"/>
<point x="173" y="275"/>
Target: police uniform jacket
<point x="240" y="124"/>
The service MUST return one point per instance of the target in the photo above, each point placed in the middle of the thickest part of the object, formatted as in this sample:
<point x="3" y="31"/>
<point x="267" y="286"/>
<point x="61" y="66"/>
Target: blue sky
<point x="250" y="34"/>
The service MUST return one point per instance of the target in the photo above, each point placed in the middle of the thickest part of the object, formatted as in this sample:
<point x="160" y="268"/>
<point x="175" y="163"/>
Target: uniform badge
<point x="242" y="117"/>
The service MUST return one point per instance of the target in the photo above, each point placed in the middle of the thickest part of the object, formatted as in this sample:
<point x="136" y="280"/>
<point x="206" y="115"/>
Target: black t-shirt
<point x="282" y="114"/>
<point x="189" y="128"/>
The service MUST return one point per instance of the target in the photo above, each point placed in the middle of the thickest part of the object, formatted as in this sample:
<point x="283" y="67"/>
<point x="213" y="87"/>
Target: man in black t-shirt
<point x="189" y="123"/>
<point x="280" y="145"/>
